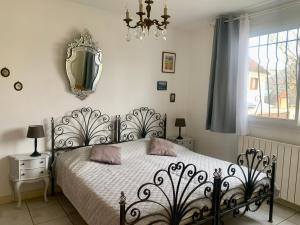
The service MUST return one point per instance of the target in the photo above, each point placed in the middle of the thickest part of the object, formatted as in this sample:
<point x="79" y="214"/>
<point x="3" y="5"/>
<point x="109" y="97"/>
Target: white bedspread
<point x="94" y="188"/>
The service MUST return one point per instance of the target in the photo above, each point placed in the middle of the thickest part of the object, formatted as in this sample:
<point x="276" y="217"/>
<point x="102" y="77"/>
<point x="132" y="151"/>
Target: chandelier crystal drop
<point x="142" y="27"/>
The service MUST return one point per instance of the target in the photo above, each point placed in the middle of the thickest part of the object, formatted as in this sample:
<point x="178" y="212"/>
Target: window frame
<point x="258" y="120"/>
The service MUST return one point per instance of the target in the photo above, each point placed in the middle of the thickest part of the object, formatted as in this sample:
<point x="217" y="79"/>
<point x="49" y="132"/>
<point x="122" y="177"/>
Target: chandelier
<point x="145" y="22"/>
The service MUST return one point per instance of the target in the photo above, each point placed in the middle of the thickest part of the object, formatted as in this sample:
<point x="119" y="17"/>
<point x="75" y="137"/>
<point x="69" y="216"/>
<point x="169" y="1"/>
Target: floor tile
<point x="294" y="219"/>
<point x="11" y="215"/>
<point x="247" y="220"/>
<point x="76" y="219"/>
<point x="11" y="209"/>
<point x="65" y="204"/>
<point x="39" y="203"/>
<point x="17" y="220"/>
<point x="47" y="213"/>
<point x="283" y="212"/>
<point x="60" y="221"/>
<point x="280" y="211"/>
<point x="287" y="223"/>
<point x="261" y="216"/>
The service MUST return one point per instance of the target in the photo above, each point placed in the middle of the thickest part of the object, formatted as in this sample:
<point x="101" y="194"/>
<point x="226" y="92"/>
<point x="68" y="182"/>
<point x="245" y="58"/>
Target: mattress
<point x="94" y="188"/>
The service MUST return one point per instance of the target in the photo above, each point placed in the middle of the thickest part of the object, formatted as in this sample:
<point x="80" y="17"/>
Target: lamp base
<point x="179" y="136"/>
<point x="35" y="154"/>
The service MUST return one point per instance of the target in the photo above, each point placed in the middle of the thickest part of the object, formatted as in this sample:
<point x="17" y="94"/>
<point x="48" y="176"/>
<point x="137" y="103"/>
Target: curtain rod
<point x="266" y="11"/>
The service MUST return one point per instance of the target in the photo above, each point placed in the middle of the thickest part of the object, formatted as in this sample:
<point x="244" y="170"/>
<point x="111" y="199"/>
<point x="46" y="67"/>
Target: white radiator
<point x="288" y="168"/>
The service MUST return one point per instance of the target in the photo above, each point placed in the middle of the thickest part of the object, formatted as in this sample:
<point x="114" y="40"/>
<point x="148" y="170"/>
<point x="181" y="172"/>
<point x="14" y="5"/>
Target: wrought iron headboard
<point x="141" y="123"/>
<point x="82" y="127"/>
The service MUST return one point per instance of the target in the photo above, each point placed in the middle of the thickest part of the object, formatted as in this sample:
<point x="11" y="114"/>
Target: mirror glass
<point x="83" y="65"/>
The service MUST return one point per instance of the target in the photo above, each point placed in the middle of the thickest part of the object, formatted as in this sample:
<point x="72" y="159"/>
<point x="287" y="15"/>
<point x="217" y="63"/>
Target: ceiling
<point x="185" y="13"/>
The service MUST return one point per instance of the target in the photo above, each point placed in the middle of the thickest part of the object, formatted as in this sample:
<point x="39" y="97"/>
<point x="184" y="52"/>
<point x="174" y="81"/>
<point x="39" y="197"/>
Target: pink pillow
<point x="106" y="154"/>
<point x="161" y="147"/>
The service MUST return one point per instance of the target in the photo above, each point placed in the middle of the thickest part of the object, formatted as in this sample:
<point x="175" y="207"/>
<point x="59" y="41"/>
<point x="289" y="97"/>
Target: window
<point x="273" y="75"/>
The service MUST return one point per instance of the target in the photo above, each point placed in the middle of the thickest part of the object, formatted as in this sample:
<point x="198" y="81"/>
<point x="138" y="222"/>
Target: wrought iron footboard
<point x="188" y="196"/>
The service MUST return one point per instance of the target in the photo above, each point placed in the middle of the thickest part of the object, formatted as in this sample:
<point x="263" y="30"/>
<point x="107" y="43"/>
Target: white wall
<point x="34" y="36"/>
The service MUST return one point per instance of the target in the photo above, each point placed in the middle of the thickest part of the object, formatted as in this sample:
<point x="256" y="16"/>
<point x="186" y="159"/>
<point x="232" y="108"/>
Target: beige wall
<point x="34" y="36"/>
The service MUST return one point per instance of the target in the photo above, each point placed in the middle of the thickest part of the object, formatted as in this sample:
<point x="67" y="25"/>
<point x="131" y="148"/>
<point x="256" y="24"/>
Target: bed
<point x="145" y="189"/>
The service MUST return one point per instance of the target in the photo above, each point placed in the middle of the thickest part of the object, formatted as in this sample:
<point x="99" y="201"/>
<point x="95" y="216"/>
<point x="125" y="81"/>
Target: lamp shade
<point x="180" y="122"/>
<point x="36" y="131"/>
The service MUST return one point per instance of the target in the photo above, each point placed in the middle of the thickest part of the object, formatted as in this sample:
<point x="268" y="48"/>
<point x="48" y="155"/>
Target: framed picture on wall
<point x="168" y="62"/>
<point x="162" y="85"/>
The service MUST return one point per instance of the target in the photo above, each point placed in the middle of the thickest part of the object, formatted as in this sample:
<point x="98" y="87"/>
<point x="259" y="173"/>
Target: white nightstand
<point x="27" y="169"/>
<point x="186" y="142"/>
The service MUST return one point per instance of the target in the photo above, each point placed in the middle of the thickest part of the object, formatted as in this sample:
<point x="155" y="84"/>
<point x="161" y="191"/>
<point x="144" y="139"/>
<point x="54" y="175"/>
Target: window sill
<point x="264" y="122"/>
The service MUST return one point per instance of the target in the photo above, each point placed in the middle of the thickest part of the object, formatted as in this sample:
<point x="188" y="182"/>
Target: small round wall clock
<point x="18" y="86"/>
<point x="5" y="72"/>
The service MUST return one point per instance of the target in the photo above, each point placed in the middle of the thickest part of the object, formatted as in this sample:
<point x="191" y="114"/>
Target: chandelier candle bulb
<point x="165" y="10"/>
<point x="127" y="14"/>
<point x="141" y="5"/>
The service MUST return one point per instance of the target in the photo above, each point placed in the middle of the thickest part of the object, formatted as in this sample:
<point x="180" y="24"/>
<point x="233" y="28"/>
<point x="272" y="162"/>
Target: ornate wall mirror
<point x="83" y="65"/>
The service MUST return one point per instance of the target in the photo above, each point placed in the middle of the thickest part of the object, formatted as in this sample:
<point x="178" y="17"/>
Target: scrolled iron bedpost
<point x="116" y="130"/>
<point x="118" y="120"/>
<point x="165" y="126"/>
<point x="272" y="189"/>
<point x="52" y="157"/>
<point x="216" y="200"/>
<point x="122" y="208"/>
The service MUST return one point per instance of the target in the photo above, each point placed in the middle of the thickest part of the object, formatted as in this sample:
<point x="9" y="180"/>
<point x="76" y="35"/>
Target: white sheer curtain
<point x="242" y="78"/>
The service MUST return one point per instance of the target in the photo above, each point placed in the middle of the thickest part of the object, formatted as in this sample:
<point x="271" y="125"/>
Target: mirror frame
<point x="84" y="42"/>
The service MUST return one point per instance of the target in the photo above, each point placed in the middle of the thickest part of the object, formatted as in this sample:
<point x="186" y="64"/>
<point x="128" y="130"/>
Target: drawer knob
<point x="22" y="164"/>
<point x="23" y="174"/>
<point x="42" y="172"/>
<point x="41" y="162"/>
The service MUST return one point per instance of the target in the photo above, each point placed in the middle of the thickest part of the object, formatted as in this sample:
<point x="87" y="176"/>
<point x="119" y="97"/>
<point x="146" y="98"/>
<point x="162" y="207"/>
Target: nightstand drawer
<point x="33" y="174"/>
<point x="179" y="142"/>
<point x="33" y="164"/>
<point x="186" y="142"/>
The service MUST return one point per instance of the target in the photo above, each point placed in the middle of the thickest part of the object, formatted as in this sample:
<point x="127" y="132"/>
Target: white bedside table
<point x="186" y="142"/>
<point x="27" y="169"/>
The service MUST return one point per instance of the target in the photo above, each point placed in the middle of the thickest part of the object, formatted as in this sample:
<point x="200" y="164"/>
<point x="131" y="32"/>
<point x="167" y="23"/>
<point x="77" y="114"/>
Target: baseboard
<point x="288" y="204"/>
<point x="25" y="195"/>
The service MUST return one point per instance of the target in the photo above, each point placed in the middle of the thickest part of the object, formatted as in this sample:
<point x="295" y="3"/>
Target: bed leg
<point x="216" y="197"/>
<point x="122" y="208"/>
<point x="272" y="189"/>
<point x="271" y="210"/>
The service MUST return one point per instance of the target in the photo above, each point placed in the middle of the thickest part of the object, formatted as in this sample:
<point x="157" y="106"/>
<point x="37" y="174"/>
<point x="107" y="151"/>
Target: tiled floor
<point x="59" y="211"/>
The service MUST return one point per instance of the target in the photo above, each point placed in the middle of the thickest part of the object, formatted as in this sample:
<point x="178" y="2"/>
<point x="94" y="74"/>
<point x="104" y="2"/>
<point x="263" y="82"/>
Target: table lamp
<point x="180" y="122"/>
<point x="35" y="131"/>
